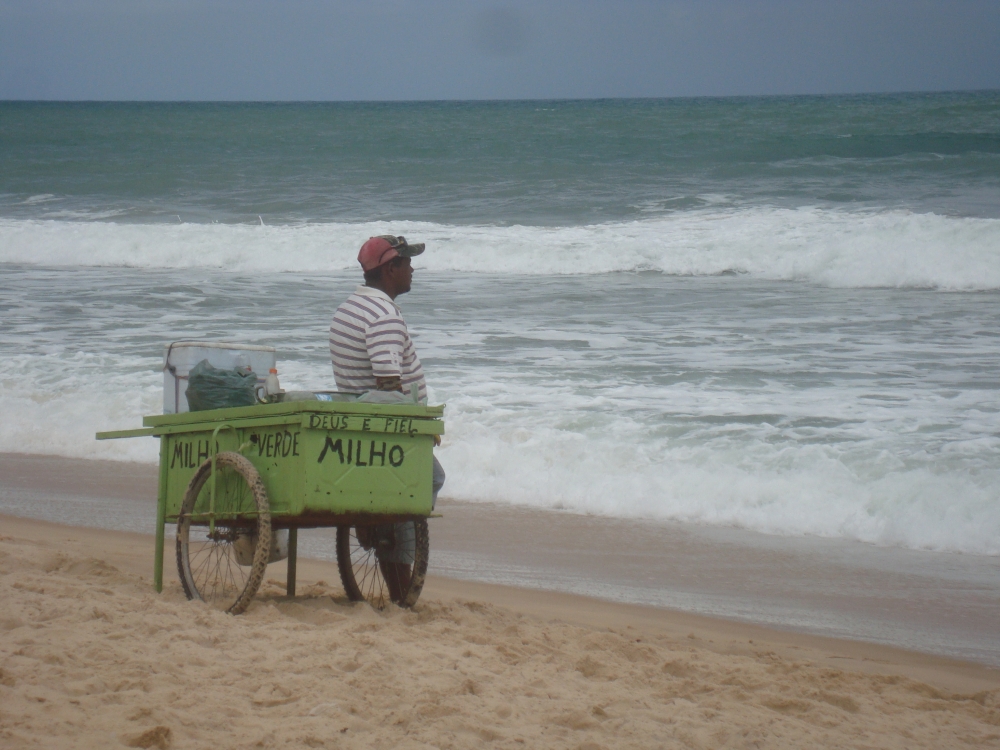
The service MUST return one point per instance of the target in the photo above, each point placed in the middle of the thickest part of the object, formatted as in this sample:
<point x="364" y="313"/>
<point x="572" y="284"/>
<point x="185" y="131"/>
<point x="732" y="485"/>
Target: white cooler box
<point x="181" y="356"/>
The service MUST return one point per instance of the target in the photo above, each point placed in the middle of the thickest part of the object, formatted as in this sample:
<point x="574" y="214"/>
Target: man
<point x="369" y="342"/>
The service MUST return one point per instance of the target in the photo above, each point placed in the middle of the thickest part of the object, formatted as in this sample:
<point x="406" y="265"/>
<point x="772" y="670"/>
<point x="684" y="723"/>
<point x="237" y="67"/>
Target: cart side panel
<point x="367" y="471"/>
<point x="372" y="465"/>
<point x="276" y="452"/>
<point x="183" y="454"/>
<point x="273" y="450"/>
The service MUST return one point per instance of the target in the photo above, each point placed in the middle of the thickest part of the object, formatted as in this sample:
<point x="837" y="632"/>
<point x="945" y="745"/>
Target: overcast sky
<point x="446" y="49"/>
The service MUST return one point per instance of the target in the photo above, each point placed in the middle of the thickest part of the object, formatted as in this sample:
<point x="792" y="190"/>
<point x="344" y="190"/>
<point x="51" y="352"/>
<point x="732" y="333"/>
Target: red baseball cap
<point x="385" y="247"/>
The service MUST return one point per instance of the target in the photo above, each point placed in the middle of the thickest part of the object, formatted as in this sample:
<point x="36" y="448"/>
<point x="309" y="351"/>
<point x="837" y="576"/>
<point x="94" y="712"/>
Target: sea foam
<point x="829" y="247"/>
<point x="894" y="442"/>
<point x="608" y="465"/>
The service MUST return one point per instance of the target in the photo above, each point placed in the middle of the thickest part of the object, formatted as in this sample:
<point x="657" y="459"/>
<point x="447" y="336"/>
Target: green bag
<point x="212" y="388"/>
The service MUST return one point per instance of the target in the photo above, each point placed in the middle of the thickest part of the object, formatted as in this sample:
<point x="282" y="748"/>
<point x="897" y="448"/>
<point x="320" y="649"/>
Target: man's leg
<point x="404" y="536"/>
<point x="437" y="482"/>
<point x="403" y="551"/>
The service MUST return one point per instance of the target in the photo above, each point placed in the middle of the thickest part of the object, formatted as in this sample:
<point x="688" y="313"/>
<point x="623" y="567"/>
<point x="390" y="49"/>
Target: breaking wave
<point x="824" y="246"/>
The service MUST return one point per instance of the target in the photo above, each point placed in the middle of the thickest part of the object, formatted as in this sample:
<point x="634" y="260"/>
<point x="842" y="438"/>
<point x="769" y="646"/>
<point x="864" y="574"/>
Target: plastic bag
<point x="390" y="397"/>
<point x="212" y="388"/>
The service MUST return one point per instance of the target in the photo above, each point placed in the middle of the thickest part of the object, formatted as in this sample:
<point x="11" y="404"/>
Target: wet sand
<point x="940" y="603"/>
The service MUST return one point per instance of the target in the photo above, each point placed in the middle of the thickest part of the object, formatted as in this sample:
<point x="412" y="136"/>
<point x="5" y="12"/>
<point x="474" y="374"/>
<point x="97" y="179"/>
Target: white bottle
<point x="271" y="386"/>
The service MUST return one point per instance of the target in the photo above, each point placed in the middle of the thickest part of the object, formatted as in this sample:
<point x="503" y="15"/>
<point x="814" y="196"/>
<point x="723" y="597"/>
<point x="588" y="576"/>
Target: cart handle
<point x="211" y="496"/>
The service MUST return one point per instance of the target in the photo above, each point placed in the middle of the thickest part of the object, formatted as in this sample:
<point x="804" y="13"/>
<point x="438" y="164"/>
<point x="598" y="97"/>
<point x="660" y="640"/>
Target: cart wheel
<point x="224" y="567"/>
<point x="369" y="558"/>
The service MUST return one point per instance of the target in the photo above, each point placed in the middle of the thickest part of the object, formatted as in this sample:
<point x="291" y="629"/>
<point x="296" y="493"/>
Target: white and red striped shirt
<point x="369" y="339"/>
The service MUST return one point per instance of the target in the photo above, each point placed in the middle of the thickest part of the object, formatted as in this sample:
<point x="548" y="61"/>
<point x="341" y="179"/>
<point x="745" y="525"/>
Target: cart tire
<point x="208" y="565"/>
<point x="367" y="576"/>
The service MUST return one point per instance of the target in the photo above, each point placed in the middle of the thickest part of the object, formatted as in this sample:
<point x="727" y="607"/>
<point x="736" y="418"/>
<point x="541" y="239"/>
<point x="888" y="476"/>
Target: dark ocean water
<point x="537" y="162"/>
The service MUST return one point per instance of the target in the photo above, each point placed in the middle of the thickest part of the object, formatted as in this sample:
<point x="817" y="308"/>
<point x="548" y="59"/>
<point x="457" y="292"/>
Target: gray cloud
<point x="501" y="31"/>
<point x="452" y="49"/>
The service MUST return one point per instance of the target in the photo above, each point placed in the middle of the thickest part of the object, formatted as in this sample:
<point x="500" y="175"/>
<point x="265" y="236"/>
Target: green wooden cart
<point x="230" y="478"/>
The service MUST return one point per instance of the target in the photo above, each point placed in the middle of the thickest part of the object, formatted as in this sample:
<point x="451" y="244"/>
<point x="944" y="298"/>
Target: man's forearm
<point x="394" y="383"/>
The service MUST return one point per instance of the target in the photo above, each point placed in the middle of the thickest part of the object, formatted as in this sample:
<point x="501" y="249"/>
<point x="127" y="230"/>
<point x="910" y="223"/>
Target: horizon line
<point x="912" y="92"/>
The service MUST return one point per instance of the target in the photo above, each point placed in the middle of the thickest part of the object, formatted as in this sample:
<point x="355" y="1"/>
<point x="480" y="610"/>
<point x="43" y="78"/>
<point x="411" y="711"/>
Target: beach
<point x="938" y="603"/>
<point x="722" y="436"/>
<point x="93" y="657"/>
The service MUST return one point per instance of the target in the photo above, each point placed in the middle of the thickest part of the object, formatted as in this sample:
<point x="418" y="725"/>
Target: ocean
<point x="780" y="314"/>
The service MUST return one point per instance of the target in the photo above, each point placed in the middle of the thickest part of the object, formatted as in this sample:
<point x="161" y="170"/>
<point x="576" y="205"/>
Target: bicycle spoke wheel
<point x="224" y="566"/>
<point x="383" y="563"/>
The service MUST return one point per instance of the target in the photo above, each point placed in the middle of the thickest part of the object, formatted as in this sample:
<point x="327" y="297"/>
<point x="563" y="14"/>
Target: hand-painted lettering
<point x="376" y="450"/>
<point x="366" y="424"/>
<point x="277" y="444"/>
<point x="328" y="422"/>
<point x="189" y="455"/>
<point x="400" y="425"/>
<point x="396" y="455"/>
<point x="330" y="445"/>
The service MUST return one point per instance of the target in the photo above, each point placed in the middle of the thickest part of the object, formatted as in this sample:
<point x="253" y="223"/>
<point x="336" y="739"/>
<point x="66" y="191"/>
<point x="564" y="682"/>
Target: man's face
<point x="402" y="275"/>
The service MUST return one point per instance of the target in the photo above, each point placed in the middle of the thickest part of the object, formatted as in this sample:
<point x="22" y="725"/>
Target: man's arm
<point x="394" y="383"/>
<point x="384" y="339"/>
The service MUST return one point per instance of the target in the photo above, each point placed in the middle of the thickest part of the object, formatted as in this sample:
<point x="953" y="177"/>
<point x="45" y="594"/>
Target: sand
<point x="942" y="603"/>
<point x="91" y="656"/>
